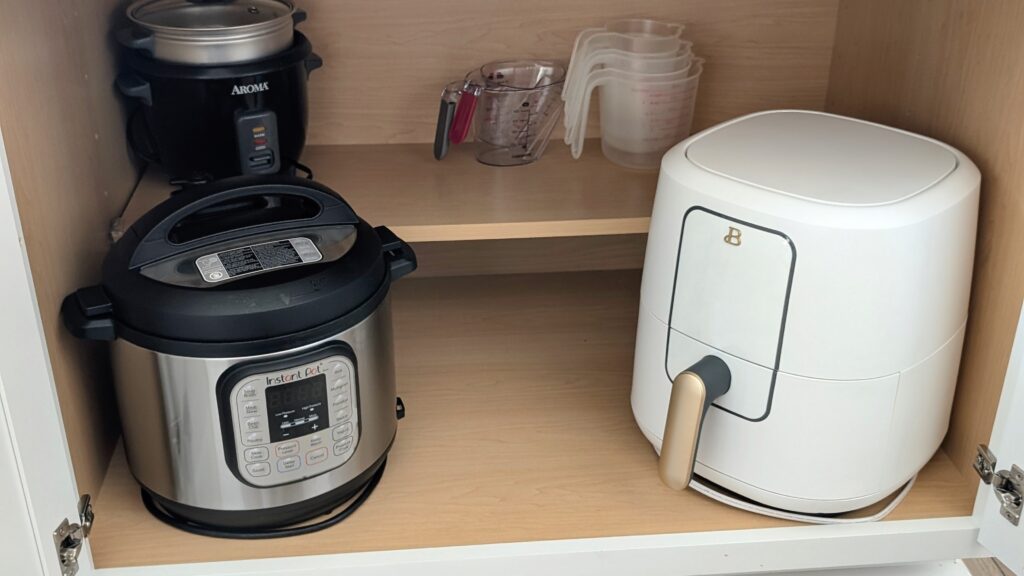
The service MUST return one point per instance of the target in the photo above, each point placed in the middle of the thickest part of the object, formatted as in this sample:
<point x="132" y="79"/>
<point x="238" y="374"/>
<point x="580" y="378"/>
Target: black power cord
<point x="260" y="534"/>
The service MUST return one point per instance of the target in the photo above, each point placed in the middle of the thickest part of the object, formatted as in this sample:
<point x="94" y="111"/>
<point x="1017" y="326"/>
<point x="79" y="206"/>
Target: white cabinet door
<point x="38" y="455"/>
<point x="997" y="533"/>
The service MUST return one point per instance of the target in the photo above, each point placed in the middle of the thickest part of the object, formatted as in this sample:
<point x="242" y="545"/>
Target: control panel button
<point x="342" y="431"/>
<point x="337" y="368"/>
<point x="258" y="469"/>
<point x="338" y="383"/>
<point x="315" y="440"/>
<point x="288" y="464"/>
<point x="343" y="414"/>
<point x="255" y="438"/>
<point x="316" y="456"/>
<point x="253" y="425"/>
<point x="342" y="447"/>
<point x="340" y="400"/>
<point x="251" y="408"/>
<point x="249" y="392"/>
<point x="258" y="454"/>
<point x="287" y="449"/>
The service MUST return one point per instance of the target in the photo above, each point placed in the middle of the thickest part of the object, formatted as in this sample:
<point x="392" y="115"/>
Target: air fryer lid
<point x="248" y="259"/>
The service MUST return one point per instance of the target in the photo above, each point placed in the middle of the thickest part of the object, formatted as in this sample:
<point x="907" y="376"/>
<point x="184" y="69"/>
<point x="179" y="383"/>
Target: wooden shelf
<point x="518" y="429"/>
<point x="423" y="200"/>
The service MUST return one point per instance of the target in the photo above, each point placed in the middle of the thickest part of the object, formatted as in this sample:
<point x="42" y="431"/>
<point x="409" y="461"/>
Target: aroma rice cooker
<point x="803" y="307"/>
<point x="252" y="350"/>
<point x="220" y="86"/>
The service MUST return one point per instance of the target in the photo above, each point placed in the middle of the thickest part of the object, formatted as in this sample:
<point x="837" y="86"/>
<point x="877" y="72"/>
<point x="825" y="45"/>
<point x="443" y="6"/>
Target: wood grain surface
<point x="385" y="62"/>
<point x="952" y="69"/>
<point x="63" y="130"/>
<point x="423" y="200"/>
<point x="518" y="428"/>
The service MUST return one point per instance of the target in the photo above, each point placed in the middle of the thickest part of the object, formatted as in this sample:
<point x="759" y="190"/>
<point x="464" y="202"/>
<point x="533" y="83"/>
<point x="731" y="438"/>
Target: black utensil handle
<point x="444" y="123"/>
<point x="227" y="198"/>
<point x="400" y="256"/>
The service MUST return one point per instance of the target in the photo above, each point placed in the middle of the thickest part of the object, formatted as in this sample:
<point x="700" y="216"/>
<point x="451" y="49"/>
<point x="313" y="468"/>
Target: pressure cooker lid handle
<point x="227" y="211"/>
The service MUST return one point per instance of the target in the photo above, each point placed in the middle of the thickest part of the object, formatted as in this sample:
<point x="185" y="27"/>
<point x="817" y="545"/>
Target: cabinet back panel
<point x="63" y="131"/>
<point x="952" y="69"/>
<point x="385" y="62"/>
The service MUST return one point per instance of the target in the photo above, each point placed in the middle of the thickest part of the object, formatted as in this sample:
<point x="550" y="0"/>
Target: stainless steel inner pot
<point x="211" y="32"/>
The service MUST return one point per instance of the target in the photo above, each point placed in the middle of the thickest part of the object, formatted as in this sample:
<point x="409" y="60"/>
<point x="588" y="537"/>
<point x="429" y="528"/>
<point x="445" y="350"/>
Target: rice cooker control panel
<point x="293" y="423"/>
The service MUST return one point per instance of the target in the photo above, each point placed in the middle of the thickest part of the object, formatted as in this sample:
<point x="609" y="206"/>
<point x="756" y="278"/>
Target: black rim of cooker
<point x="268" y="312"/>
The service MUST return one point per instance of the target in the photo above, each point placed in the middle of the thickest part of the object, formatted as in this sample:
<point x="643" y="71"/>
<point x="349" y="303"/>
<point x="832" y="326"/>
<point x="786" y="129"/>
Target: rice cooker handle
<point x="400" y="256"/>
<point x="693" y="392"/>
<point x="156" y="244"/>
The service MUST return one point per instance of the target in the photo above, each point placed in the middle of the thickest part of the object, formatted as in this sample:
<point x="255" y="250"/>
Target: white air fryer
<point x="803" y="308"/>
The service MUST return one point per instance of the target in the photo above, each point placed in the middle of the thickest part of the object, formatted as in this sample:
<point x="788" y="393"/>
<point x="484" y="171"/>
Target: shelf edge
<point x="522" y="230"/>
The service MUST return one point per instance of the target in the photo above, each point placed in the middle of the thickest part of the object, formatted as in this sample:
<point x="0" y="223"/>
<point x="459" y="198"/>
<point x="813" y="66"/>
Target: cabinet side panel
<point x="63" y="128"/>
<point x="951" y="69"/>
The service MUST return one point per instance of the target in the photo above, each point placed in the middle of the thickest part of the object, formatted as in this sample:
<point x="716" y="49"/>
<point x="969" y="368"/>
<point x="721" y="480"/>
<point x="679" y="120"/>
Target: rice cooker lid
<point x="823" y="158"/>
<point x="199" y="15"/>
<point x="270" y="261"/>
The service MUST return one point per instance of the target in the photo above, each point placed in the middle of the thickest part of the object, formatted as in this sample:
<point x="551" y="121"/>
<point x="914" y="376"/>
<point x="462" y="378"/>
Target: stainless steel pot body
<point x="173" y="431"/>
<point x="216" y="33"/>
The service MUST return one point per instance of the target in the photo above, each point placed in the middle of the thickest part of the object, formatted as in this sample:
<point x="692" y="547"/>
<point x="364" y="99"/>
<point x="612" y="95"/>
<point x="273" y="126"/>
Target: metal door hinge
<point x="70" y="537"/>
<point x="1008" y="485"/>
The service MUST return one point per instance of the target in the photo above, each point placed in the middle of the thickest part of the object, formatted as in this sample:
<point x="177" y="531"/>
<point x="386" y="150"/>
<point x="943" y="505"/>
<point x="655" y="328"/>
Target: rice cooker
<point x="252" y="350"/>
<point x="804" y="299"/>
<point x="219" y="87"/>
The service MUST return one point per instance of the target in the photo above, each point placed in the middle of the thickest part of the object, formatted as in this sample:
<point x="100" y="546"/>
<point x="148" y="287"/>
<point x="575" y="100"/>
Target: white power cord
<point x="711" y="492"/>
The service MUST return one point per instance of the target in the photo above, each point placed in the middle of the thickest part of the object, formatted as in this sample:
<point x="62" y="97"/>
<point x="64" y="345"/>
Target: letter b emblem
<point x="734" y="237"/>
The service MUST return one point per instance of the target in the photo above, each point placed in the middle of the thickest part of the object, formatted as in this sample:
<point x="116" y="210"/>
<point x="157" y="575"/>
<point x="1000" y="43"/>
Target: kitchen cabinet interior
<point x="519" y="425"/>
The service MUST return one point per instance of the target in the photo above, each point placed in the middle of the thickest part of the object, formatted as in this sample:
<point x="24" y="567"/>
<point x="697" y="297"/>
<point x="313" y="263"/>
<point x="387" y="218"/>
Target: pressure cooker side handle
<point x="400" y="256"/>
<point x="88" y="314"/>
<point x="156" y="228"/>
<point x="693" y="392"/>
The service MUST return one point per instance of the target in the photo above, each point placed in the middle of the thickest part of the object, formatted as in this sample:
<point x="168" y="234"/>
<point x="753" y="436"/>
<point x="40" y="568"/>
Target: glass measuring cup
<point x="641" y="120"/>
<point x="513" y="105"/>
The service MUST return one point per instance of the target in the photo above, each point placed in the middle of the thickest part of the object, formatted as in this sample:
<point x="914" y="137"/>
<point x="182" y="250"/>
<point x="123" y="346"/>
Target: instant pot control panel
<point x="289" y="419"/>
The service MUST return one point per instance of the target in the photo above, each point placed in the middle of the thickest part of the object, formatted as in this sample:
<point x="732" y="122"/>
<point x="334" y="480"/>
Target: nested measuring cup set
<point x="644" y="73"/>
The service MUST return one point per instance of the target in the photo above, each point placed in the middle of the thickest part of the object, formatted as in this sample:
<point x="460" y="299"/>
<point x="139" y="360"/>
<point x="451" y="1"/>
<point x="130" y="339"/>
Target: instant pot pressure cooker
<point x="220" y="86"/>
<point x="252" y="351"/>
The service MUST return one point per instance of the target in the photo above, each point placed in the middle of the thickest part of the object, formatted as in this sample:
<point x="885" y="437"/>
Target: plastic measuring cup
<point x="618" y="60"/>
<point x="640" y="121"/>
<point x="581" y="105"/>
<point x="632" y="34"/>
<point x="513" y="105"/>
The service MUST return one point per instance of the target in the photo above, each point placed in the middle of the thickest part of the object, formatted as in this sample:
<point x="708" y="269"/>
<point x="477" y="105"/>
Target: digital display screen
<point x="297" y="408"/>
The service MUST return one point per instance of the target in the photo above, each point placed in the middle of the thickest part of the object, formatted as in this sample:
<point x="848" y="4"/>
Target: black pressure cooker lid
<point x="240" y="267"/>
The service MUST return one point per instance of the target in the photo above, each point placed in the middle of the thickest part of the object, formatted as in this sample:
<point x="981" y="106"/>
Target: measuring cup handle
<point x="444" y="124"/>
<point x="463" y="117"/>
